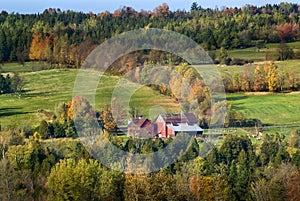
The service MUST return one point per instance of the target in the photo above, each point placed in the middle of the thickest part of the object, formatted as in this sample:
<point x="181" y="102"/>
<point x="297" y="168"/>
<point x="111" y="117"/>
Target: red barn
<point x="168" y="125"/>
<point x="141" y="128"/>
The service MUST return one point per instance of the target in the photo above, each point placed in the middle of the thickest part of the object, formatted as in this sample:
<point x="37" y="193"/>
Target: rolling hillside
<point x="45" y="89"/>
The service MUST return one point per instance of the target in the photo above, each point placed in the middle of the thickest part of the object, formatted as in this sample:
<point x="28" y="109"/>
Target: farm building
<point x="141" y="128"/>
<point x="168" y="125"/>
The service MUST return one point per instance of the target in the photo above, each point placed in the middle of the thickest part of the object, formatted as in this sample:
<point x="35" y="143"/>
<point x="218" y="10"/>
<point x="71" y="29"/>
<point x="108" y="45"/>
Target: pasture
<point x="45" y="89"/>
<point x="270" y="51"/>
<point x="269" y="108"/>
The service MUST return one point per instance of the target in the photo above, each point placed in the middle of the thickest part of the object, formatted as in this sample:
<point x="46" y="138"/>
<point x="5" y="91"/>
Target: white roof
<point x="184" y="127"/>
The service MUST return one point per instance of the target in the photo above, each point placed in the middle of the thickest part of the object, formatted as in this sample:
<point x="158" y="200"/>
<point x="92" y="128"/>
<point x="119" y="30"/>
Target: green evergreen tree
<point x="232" y="180"/>
<point x="44" y="130"/>
<point x="7" y="84"/>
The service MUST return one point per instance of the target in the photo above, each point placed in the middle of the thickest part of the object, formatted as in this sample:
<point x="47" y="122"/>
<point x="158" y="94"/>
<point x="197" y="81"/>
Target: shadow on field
<point x="236" y="98"/>
<point x="35" y="94"/>
<point x="6" y="112"/>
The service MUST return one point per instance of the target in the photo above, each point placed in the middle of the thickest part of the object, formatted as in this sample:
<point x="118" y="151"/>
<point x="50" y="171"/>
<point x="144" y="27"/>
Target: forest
<point x="66" y="37"/>
<point x="48" y="160"/>
<point x="34" y="169"/>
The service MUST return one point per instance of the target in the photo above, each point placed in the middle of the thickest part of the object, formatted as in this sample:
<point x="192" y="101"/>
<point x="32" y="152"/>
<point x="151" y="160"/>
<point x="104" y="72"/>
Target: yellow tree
<point x="108" y="120"/>
<point x="272" y="77"/>
<point x="259" y="79"/>
<point x="34" y="48"/>
<point x="202" y="187"/>
<point x="69" y="110"/>
<point x="38" y="47"/>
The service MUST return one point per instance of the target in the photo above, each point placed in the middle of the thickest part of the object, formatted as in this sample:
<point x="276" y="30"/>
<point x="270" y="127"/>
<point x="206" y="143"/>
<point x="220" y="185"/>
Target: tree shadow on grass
<point x="35" y="94"/>
<point x="235" y="98"/>
<point x="11" y="111"/>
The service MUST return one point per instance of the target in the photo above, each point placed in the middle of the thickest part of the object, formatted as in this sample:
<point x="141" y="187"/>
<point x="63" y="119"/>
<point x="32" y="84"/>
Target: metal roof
<point x="184" y="127"/>
<point x="179" y="118"/>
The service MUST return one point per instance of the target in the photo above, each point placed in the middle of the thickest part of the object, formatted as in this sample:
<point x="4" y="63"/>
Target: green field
<point x="258" y="55"/>
<point x="293" y="45"/>
<point x="46" y="89"/>
<point x="26" y="67"/>
<point x="255" y="54"/>
<point x="248" y="54"/>
<point x="270" y="109"/>
<point x="286" y="66"/>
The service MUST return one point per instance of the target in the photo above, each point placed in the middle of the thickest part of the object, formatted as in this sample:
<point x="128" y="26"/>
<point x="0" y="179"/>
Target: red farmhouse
<point x="140" y="127"/>
<point x="168" y="125"/>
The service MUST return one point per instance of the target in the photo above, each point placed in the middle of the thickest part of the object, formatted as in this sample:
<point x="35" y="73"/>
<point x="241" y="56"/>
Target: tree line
<point x="66" y="37"/>
<point x="265" y="77"/>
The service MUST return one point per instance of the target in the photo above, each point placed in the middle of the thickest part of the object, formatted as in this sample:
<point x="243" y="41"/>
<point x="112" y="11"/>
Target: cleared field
<point x="286" y="66"/>
<point x="46" y="89"/>
<point x="26" y="67"/>
<point x="270" y="109"/>
<point x="248" y="54"/>
<point x="294" y="45"/>
<point x="255" y="54"/>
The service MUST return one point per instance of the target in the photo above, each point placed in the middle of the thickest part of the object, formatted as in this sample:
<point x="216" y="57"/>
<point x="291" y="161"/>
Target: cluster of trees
<point x="61" y="124"/>
<point x="57" y="129"/>
<point x="267" y="77"/>
<point x="237" y="170"/>
<point x="183" y="83"/>
<point x="10" y="84"/>
<point x="5" y="84"/>
<point x="26" y="164"/>
<point x="66" y="37"/>
<point x="56" y="49"/>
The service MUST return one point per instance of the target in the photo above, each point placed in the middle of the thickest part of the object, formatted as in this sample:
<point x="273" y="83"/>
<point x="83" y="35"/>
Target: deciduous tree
<point x="259" y="79"/>
<point x="272" y="77"/>
<point x="85" y="180"/>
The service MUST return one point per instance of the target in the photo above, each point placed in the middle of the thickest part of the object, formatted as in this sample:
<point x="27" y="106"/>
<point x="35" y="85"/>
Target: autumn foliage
<point x="38" y="47"/>
<point x="287" y="31"/>
<point x="202" y="187"/>
<point x="267" y="77"/>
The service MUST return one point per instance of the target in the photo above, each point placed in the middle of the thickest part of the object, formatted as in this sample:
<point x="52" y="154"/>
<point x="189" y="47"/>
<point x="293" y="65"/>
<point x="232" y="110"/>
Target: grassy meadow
<point x="269" y="108"/>
<point x="286" y="66"/>
<point x="46" y="88"/>
<point x="257" y="55"/>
